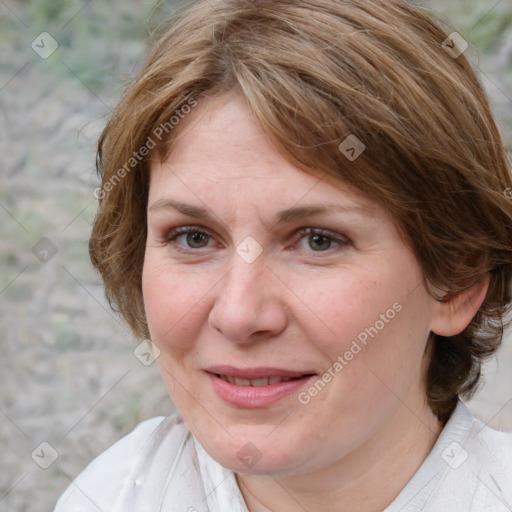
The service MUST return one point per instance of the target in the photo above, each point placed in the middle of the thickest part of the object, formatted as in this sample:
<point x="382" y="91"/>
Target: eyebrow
<point x="288" y="215"/>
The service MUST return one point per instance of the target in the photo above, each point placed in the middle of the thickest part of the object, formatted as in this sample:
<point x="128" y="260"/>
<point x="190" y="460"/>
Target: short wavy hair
<point x="314" y="72"/>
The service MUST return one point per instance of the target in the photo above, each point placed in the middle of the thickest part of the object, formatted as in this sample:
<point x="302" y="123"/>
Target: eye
<point x="311" y="239"/>
<point x="193" y="237"/>
<point x="321" y="240"/>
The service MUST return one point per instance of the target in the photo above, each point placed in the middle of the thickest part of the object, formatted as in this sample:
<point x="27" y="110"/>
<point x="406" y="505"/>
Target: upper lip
<point x="255" y="372"/>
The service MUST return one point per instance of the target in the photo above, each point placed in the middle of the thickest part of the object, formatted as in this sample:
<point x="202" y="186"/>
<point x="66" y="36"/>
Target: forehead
<point x="222" y="136"/>
<point x="220" y="146"/>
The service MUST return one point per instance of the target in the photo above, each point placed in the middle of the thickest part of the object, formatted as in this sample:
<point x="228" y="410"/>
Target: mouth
<point x="262" y="381"/>
<point x="251" y="388"/>
<point x="258" y="375"/>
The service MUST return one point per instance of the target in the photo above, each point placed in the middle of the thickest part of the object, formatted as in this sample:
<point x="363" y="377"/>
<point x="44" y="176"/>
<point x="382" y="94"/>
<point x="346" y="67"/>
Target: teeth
<point x="242" y="382"/>
<point x="259" y="382"/>
<point x="263" y="381"/>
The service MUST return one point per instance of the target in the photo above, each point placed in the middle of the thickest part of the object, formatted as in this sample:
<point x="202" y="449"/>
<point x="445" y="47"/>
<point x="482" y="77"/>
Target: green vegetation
<point x="483" y="23"/>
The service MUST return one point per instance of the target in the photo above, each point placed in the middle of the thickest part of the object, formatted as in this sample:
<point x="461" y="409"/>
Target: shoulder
<point x="489" y="453"/>
<point x="469" y="468"/>
<point x="490" y="457"/>
<point x="479" y="468"/>
<point x="102" y="481"/>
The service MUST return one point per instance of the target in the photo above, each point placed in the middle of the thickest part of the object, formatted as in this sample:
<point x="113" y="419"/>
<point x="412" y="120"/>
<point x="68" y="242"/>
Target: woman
<point x="303" y="207"/>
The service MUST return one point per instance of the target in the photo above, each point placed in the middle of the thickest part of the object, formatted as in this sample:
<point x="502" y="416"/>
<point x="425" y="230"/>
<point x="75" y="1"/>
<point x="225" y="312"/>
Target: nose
<point x="250" y="303"/>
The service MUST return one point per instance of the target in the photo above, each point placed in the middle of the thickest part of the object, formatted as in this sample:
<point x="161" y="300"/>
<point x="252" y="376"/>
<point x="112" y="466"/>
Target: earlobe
<point x="454" y="313"/>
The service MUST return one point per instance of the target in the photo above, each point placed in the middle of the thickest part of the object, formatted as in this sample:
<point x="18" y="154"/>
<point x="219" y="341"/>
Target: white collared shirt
<point x="160" y="466"/>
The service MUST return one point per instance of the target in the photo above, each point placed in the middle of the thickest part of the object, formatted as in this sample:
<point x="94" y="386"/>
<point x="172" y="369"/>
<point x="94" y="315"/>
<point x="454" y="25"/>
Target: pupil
<point x="196" y="239"/>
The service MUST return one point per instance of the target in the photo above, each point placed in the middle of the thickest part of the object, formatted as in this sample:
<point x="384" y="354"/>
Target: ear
<point x="454" y="313"/>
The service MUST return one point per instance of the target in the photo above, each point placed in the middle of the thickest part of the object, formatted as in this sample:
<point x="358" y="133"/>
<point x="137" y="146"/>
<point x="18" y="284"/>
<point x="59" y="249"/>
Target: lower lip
<point x="252" y="397"/>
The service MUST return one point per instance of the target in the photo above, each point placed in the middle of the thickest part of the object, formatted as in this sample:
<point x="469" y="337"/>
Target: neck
<point x="367" y="479"/>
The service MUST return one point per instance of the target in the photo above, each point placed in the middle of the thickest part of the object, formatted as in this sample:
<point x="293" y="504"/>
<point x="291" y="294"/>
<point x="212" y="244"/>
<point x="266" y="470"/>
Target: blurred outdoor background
<point x="68" y="375"/>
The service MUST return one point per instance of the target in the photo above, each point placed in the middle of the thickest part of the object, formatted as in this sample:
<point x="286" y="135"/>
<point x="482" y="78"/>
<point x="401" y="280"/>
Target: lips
<point x="256" y="387"/>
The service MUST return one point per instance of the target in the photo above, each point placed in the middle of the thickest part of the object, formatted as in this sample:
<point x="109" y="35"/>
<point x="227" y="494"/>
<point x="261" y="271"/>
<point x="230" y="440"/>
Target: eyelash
<point x="171" y="236"/>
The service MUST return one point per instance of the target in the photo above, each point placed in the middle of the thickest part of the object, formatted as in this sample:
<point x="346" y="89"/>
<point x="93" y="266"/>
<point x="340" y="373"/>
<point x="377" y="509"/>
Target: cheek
<point x="339" y="310"/>
<point x="172" y="302"/>
<point x="373" y="318"/>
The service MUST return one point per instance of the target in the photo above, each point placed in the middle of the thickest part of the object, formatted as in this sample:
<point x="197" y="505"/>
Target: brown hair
<point x="314" y="72"/>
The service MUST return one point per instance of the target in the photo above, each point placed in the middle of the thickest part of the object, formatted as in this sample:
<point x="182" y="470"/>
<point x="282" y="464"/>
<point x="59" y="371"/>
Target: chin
<point x="255" y="457"/>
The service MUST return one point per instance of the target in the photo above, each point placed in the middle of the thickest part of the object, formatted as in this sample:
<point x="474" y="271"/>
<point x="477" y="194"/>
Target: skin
<point x="298" y="306"/>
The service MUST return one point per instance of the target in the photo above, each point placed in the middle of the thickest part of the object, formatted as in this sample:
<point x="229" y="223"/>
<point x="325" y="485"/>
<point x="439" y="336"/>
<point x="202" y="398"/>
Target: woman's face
<point x="282" y="275"/>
